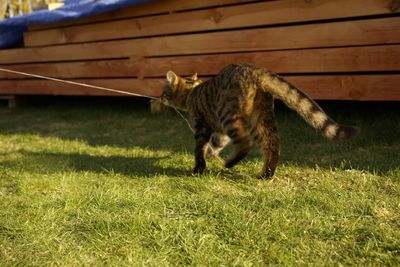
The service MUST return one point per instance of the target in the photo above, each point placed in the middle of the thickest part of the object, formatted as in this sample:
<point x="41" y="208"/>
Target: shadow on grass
<point x="375" y="150"/>
<point x="52" y="163"/>
<point x="44" y="162"/>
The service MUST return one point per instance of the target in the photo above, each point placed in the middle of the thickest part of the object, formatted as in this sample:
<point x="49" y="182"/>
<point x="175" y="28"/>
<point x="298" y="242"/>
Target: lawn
<point x="110" y="184"/>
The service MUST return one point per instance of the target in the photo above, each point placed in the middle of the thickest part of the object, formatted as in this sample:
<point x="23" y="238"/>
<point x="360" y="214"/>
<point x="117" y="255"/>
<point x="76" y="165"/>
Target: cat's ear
<point x="194" y="77"/>
<point x="172" y="78"/>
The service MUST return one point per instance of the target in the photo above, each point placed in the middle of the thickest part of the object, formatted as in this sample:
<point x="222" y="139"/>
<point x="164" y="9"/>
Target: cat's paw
<point x="267" y="174"/>
<point x="198" y="169"/>
<point x="211" y="154"/>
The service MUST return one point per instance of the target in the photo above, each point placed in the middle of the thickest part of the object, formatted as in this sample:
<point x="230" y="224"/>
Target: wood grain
<point x="349" y="33"/>
<point x="327" y="87"/>
<point x="81" y="69"/>
<point x="151" y="8"/>
<point x="248" y="15"/>
<point x="150" y="87"/>
<point x="345" y="59"/>
<point x="350" y="87"/>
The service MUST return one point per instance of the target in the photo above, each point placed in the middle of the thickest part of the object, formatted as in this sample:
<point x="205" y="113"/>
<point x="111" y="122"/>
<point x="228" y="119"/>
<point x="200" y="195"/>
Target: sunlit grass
<point x="111" y="185"/>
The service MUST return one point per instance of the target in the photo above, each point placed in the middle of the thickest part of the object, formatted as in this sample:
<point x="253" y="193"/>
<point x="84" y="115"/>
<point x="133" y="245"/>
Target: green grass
<point x="111" y="185"/>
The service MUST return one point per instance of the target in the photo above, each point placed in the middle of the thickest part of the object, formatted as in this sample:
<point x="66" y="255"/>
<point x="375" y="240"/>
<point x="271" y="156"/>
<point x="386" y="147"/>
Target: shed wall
<point x="332" y="49"/>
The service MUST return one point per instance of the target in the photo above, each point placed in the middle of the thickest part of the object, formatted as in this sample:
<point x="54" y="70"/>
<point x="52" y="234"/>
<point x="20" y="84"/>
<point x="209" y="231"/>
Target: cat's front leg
<point x="216" y="144"/>
<point x="202" y="136"/>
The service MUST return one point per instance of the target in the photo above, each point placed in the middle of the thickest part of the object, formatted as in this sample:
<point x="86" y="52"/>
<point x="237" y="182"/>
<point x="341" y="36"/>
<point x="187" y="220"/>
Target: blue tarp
<point x="12" y="29"/>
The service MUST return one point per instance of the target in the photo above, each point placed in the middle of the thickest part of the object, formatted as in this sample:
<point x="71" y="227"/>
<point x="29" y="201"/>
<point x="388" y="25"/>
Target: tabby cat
<point x="239" y="103"/>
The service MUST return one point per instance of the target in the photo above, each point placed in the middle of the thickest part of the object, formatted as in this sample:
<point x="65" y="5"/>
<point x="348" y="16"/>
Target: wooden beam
<point x="149" y="87"/>
<point x="350" y="87"/>
<point x="349" y="33"/>
<point x="328" y="87"/>
<point x="343" y="59"/>
<point x="151" y="8"/>
<point x="249" y="15"/>
<point x="82" y="69"/>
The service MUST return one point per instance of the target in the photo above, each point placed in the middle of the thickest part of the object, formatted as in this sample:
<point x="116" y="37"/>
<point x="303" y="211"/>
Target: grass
<point x="110" y="184"/>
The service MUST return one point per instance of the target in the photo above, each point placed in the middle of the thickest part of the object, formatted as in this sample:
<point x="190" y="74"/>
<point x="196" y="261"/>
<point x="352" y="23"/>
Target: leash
<point x="76" y="83"/>
<point x="119" y="92"/>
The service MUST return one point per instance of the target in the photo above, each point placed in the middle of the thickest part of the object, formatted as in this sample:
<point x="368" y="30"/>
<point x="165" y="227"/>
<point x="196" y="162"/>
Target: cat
<point x="239" y="103"/>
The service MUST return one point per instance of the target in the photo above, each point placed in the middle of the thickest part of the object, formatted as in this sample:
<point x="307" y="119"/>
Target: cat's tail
<point x="307" y="108"/>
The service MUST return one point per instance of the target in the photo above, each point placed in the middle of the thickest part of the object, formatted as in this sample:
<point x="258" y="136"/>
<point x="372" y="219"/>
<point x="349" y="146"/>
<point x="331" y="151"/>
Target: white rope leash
<point x="75" y="83"/>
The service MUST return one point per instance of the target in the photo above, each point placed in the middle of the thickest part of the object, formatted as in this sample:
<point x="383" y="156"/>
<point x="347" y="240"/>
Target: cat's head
<point x="177" y="88"/>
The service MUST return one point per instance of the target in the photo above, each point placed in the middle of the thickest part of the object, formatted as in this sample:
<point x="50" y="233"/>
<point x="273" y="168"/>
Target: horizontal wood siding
<point x="333" y="49"/>
<point x="250" y="15"/>
<point x="348" y="33"/>
<point x="345" y="59"/>
<point x="328" y="87"/>
<point x="152" y="8"/>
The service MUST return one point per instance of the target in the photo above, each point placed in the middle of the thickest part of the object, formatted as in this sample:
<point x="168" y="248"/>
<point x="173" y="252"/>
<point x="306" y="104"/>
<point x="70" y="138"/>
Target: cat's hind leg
<point x="265" y="135"/>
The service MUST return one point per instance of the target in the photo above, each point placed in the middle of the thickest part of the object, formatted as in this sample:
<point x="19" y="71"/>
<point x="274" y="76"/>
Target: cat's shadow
<point x="46" y="162"/>
<point x="134" y="167"/>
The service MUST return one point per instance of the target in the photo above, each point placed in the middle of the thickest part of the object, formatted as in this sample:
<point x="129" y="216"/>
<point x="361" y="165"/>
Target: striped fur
<point x="239" y="103"/>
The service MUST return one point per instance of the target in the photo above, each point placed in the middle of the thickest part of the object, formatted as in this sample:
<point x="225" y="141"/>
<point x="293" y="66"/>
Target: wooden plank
<point x="249" y="15"/>
<point x="350" y="87"/>
<point x="344" y="59"/>
<point x="150" y="87"/>
<point x="82" y="69"/>
<point x="349" y="33"/>
<point x="328" y="87"/>
<point x="151" y="8"/>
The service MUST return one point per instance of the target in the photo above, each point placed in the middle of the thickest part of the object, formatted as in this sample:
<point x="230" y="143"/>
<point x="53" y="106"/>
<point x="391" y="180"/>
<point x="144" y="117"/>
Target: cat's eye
<point x="189" y="81"/>
<point x="165" y="95"/>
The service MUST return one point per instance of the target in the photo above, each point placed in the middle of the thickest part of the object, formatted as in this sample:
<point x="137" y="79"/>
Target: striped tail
<point x="307" y="108"/>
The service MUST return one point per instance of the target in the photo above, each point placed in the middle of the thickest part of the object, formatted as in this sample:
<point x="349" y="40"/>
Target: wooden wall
<point x="333" y="49"/>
